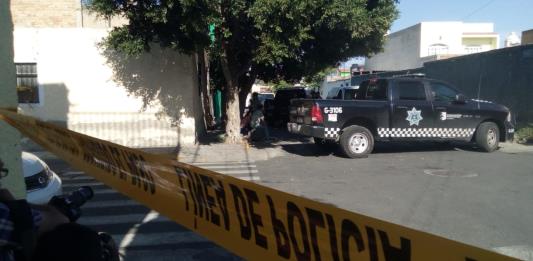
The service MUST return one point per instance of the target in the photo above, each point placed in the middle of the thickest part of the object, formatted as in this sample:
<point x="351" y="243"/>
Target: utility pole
<point x="9" y="137"/>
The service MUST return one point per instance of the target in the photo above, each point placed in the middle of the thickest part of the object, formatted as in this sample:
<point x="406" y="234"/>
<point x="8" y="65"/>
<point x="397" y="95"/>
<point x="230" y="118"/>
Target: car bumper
<point x="306" y="130"/>
<point x="42" y="196"/>
<point x="509" y="131"/>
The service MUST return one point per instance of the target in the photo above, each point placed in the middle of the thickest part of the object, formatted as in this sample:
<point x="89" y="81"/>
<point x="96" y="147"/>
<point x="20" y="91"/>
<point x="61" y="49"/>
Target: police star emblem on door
<point x="414" y="116"/>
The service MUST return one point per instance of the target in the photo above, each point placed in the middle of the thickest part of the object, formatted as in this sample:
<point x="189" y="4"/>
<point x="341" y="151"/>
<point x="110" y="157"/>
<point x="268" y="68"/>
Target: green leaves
<point x="270" y="39"/>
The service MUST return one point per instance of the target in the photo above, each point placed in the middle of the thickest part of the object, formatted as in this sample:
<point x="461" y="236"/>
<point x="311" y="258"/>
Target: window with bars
<point x="27" y="84"/>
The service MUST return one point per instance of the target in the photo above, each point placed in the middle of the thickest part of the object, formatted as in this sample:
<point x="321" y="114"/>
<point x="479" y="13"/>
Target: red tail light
<point x="316" y="115"/>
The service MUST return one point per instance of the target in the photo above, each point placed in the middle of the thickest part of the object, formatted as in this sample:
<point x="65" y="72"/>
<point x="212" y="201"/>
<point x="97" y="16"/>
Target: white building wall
<point x="478" y="28"/>
<point x="439" y="33"/>
<point x="104" y="97"/>
<point x="427" y="41"/>
<point x="400" y="51"/>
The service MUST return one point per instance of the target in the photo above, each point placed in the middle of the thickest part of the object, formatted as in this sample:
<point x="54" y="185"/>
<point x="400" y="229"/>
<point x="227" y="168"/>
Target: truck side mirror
<point x="460" y="98"/>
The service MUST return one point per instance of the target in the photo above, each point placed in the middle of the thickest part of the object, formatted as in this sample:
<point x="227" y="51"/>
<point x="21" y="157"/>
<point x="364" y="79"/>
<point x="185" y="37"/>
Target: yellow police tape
<point x="253" y="221"/>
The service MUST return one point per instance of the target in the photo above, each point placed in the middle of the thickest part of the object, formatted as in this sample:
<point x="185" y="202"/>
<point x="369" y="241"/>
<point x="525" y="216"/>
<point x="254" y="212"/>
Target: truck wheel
<point x="488" y="136"/>
<point x="356" y="141"/>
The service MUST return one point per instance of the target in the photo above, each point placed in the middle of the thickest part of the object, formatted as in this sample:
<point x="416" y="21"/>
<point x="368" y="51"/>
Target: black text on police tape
<point x="119" y="162"/>
<point x="294" y="230"/>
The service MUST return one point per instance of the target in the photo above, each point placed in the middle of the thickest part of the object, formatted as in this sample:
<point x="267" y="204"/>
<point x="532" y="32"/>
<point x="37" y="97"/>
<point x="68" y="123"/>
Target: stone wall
<point x="38" y="13"/>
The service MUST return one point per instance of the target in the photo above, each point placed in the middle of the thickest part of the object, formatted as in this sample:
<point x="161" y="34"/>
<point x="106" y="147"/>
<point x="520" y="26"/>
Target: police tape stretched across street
<point x="251" y="220"/>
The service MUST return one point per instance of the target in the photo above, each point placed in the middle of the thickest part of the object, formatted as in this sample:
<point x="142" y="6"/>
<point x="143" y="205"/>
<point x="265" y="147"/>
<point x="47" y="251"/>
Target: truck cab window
<point x="350" y="94"/>
<point x="339" y="95"/>
<point x="376" y="90"/>
<point x="442" y="92"/>
<point x="408" y="90"/>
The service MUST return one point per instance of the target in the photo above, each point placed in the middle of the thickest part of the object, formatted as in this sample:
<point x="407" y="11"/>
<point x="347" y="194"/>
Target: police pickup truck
<point x="401" y="109"/>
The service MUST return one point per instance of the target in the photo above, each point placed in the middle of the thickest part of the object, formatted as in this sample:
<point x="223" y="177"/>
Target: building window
<point x="27" y="85"/>
<point x="436" y="49"/>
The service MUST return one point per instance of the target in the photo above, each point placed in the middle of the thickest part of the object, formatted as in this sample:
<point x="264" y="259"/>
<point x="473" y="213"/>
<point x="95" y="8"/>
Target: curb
<point x="508" y="147"/>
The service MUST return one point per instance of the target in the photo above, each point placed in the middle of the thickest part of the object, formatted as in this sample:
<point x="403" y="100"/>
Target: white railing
<point x="130" y="129"/>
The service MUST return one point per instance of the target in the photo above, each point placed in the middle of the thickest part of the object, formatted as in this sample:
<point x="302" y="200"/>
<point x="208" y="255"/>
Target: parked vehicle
<point x="41" y="182"/>
<point x="265" y="96"/>
<point x="262" y="96"/>
<point x="277" y="111"/>
<point x="401" y="109"/>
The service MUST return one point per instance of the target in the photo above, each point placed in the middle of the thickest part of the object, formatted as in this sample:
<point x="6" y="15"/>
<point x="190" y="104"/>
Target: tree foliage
<point x="315" y="81"/>
<point x="271" y="40"/>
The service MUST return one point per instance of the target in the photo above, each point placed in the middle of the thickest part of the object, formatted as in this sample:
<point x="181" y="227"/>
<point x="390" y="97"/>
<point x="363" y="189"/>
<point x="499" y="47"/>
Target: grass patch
<point x="524" y="134"/>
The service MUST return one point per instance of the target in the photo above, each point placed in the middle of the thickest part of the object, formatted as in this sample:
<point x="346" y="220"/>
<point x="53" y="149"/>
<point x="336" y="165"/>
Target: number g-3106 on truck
<point x="401" y="109"/>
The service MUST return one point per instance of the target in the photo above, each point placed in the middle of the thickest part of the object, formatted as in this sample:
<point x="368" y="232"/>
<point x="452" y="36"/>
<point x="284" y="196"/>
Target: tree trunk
<point x="207" y="104"/>
<point x="233" y="119"/>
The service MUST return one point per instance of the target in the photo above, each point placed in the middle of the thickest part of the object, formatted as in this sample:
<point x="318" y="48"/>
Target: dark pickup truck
<point x="401" y="109"/>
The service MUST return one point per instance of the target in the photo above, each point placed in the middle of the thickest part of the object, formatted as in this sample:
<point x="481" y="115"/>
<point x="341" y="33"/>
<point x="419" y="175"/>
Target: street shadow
<point x="148" y="228"/>
<point x="398" y="147"/>
<point x="163" y="78"/>
<point x="311" y="150"/>
<point x="279" y="138"/>
<point x="212" y="137"/>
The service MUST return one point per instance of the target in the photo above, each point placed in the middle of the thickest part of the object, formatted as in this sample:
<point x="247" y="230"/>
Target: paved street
<point x="142" y="233"/>
<point x="483" y="199"/>
<point x="450" y="190"/>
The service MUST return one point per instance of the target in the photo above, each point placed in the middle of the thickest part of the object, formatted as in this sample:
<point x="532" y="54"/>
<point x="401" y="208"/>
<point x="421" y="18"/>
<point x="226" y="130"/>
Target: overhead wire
<point x="478" y="9"/>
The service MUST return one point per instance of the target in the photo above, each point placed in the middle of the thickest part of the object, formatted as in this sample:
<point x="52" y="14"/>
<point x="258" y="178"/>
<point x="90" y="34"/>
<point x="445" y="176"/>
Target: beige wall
<point x="477" y="44"/>
<point x="149" y="101"/>
<point x="39" y="13"/>
<point x="58" y="14"/>
<point x="9" y="137"/>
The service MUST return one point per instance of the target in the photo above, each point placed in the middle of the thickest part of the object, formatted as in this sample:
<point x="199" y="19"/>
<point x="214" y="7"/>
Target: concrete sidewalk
<point x="220" y="152"/>
<point x="211" y="152"/>
<point x="203" y="153"/>
<point x="261" y="151"/>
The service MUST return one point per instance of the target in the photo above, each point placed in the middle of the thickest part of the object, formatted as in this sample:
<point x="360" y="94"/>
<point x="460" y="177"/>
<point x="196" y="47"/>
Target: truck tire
<point x="488" y="136"/>
<point x="356" y="141"/>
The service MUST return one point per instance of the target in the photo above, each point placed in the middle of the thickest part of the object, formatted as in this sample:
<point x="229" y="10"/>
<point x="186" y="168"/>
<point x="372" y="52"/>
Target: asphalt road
<point x="484" y="199"/>
<point x="140" y="233"/>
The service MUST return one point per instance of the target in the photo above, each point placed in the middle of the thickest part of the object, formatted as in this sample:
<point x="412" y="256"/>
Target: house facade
<point x="65" y="77"/>
<point x="429" y="41"/>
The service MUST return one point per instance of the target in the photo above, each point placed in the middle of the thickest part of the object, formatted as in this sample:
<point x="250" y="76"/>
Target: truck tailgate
<point x="300" y="111"/>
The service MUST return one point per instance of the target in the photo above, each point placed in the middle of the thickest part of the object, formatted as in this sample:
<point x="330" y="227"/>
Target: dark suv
<point x="277" y="110"/>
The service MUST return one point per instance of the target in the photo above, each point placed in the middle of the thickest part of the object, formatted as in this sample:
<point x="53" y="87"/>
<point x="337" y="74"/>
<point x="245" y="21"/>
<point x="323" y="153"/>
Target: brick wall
<point x="39" y="13"/>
